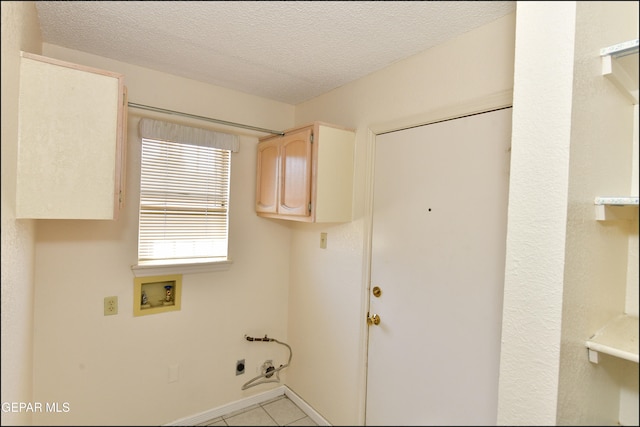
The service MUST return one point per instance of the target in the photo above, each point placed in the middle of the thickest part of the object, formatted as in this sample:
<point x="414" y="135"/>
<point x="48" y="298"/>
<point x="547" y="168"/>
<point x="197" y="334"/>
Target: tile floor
<point x="280" y="411"/>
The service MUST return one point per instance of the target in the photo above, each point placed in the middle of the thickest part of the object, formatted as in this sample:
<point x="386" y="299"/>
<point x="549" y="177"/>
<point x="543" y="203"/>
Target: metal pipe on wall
<point x="208" y="119"/>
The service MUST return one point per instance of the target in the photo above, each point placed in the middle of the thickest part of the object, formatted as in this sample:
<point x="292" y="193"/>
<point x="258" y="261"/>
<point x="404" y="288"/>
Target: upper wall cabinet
<point x="72" y="135"/>
<point x="307" y="174"/>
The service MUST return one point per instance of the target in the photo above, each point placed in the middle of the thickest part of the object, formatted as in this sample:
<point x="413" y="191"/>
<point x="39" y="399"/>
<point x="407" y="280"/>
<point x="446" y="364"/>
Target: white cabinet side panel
<point x="335" y="175"/>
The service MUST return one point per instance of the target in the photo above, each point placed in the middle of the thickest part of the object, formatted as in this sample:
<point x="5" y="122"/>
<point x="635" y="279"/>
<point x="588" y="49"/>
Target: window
<point x="184" y="194"/>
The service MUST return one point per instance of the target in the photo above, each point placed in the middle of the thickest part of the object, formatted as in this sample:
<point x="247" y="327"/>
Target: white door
<point x="438" y="255"/>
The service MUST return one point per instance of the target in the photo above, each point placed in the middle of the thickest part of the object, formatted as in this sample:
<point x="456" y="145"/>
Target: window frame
<point x="157" y="131"/>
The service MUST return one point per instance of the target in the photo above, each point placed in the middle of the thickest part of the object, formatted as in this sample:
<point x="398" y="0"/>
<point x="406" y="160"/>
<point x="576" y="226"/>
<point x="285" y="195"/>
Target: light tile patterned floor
<point x="280" y="411"/>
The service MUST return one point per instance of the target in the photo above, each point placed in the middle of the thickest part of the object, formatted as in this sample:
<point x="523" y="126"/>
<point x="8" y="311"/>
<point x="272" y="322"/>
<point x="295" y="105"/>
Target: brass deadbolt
<point x="377" y="291"/>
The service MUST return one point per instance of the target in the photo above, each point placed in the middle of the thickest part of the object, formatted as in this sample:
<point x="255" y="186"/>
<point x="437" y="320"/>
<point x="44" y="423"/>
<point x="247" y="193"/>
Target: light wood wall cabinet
<point x="307" y="174"/>
<point x="72" y="136"/>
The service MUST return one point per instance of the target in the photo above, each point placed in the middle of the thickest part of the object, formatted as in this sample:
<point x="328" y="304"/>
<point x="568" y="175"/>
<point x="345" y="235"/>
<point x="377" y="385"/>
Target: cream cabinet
<point x="306" y="174"/>
<point x="72" y="136"/>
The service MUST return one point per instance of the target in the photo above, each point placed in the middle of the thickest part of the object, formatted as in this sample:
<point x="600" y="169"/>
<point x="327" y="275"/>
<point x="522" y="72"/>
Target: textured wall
<point x="596" y="257"/>
<point x="328" y="295"/>
<point x="566" y="273"/>
<point x="115" y="369"/>
<point x="20" y="31"/>
<point x="537" y="213"/>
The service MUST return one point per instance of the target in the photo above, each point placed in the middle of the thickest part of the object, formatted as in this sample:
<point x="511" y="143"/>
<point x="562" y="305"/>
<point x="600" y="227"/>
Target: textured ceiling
<point x="289" y="51"/>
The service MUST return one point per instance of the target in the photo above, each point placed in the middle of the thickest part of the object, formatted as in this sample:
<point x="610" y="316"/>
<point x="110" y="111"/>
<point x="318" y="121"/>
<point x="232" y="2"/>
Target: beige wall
<point x="114" y="370"/>
<point x="596" y="262"/>
<point x="537" y="214"/>
<point x="328" y="295"/>
<point x="20" y="31"/>
<point x="566" y="273"/>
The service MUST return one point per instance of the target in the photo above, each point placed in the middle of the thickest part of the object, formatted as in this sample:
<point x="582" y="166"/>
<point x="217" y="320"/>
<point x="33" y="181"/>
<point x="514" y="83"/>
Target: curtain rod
<point x="208" y="119"/>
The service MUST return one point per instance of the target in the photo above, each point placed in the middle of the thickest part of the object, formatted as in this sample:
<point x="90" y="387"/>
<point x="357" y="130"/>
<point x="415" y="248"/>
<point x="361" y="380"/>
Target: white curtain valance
<point x="163" y="131"/>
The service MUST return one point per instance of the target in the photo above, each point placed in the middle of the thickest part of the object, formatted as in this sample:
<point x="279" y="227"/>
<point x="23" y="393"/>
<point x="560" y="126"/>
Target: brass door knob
<point x="373" y="320"/>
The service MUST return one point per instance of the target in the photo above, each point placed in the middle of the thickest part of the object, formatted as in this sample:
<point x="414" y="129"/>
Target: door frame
<point x="485" y="104"/>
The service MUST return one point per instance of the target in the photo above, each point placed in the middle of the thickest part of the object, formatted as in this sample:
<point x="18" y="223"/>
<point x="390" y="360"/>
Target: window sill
<point x="144" y="270"/>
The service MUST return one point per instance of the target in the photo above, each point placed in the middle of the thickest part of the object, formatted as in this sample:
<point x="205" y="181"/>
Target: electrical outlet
<point x="323" y="240"/>
<point x="110" y="306"/>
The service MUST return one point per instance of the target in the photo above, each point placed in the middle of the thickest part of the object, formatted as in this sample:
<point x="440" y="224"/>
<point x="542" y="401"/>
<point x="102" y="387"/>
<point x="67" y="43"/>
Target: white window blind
<point x="184" y="194"/>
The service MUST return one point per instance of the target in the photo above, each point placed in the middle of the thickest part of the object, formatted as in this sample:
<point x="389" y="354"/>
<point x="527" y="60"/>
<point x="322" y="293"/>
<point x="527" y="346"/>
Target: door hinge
<point x="311" y="138"/>
<point x="309" y="206"/>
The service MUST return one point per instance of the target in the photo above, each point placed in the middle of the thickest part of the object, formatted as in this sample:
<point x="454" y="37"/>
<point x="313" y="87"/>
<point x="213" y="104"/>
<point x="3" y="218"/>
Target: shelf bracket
<point x="616" y="73"/>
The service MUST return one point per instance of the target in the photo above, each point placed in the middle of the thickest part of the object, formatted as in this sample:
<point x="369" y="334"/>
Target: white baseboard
<point x="252" y="400"/>
<point x="306" y="408"/>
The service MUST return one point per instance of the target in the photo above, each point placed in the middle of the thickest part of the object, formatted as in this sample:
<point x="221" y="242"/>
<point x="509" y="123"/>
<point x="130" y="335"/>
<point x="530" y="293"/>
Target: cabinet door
<point x="71" y="131"/>
<point x="295" y="173"/>
<point x="267" y="176"/>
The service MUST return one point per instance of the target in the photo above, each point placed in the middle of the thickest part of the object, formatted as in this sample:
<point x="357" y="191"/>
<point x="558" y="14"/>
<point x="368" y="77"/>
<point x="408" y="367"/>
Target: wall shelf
<point x="620" y="65"/>
<point x="613" y="208"/>
<point x="617" y="338"/>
